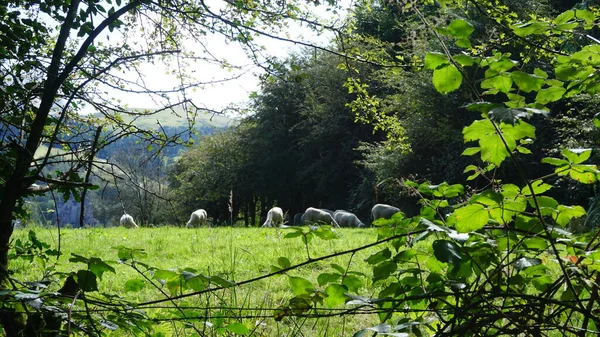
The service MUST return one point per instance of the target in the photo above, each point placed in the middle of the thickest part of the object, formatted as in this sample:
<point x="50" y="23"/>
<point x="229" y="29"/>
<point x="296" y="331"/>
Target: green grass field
<point x="234" y="254"/>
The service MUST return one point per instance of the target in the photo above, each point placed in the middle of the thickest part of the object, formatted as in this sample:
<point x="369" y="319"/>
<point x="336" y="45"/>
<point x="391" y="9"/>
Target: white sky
<point x="219" y="96"/>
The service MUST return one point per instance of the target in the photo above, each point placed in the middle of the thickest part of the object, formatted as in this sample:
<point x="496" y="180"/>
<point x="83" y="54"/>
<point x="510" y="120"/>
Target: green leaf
<point x="555" y="161"/>
<point x="470" y="218"/>
<point x="326" y="233"/>
<point x="164" y="274"/>
<point x="576" y="156"/>
<point x="221" y="282"/>
<point x="435" y="60"/>
<point x="566" y="213"/>
<point x="300" y="285"/>
<point x="335" y="295"/>
<point x="597" y="120"/>
<point x="527" y="82"/>
<point x="87" y="280"/>
<point x="551" y="94"/>
<point x="508" y="115"/>
<point x="284" y="262"/>
<point x="447" y="252"/>
<point x="380" y="256"/>
<point x="471" y="151"/>
<point x="353" y="283"/>
<point x="134" y="285"/>
<point x="529" y="28"/>
<point x="326" y="278"/>
<point x="493" y="150"/>
<point x="538" y="186"/>
<point x="564" y="17"/>
<point x="460" y="28"/>
<point x="503" y="82"/>
<point x="447" y="79"/>
<point x="464" y="60"/>
<point x="98" y="267"/>
<point x="238" y="329"/>
<point x="526" y="262"/>
<point x="384" y="270"/>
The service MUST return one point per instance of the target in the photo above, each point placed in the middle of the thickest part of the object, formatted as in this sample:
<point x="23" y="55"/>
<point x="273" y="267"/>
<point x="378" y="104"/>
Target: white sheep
<point x="274" y="217"/>
<point x="313" y="215"/>
<point x="127" y="221"/>
<point x="197" y="218"/>
<point x="347" y="219"/>
<point x="383" y="211"/>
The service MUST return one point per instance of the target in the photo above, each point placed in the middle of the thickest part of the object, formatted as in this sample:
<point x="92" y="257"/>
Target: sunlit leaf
<point x="447" y="79"/>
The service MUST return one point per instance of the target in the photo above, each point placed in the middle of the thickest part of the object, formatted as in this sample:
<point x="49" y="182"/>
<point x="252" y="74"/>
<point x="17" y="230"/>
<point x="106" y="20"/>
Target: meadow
<point x="227" y="254"/>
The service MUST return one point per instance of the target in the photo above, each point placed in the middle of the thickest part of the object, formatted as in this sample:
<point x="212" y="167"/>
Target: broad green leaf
<point x="335" y="295"/>
<point x="586" y="15"/>
<point x="478" y="129"/>
<point x="555" y="161"/>
<point x="326" y="278"/>
<point x="384" y="270"/>
<point x="503" y="82"/>
<point x="529" y="28"/>
<point x="464" y="60"/>
<point x="470" y="218"/>
<point x="585" y="174"/>
<point x="493" y="150"/>
<point x="564" y="17"/>
<point x="221" y="282"/>
<point x="300" y="285"/>
<point x="284" y="262"/>
<point x="566" y="213"/>
<point x="527" y="82"/>
<point x="597" y="120"/>
<point x="538" y="186"/>
<point x="380" y="256"/>
<point x="238" y="329"/>
<point x="460" y="28"/>
<point x="536" y="243"/>
<point x="164" y="274"/>
<point x="447" y="79"/>
<point x="508" y="115"/>
<point x="547" y="205"/>
<point x="435" y="60"/>
<point x="471" y="151"/>
<point x="134" y="285"/>
<point x="353" y="283"/>
<point x="551" y="94"/>
<point x="499" y="63"/>
<point x="576" y="156"/>
<point x="526" y="262"/>
<point x="87" y="280"/>
<point x="98" y="267"/>
<point x="447" y="252"/>
<point x="326" y="233"/>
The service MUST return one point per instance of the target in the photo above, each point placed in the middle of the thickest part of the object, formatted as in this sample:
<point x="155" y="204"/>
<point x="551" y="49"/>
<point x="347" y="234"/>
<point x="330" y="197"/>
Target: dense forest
<point x="310" y="140"/>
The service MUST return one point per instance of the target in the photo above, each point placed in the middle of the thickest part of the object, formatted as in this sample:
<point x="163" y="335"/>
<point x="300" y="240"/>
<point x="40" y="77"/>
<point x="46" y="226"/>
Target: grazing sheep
<point x="347" y="219"/>
<point x="383" y="211"/>
<point x="298" y="219"/>
<point x="127" y="221"/>
<point x="274" y="217"/>
<point x="313" y="215"/>
<point x="197" y="219"/>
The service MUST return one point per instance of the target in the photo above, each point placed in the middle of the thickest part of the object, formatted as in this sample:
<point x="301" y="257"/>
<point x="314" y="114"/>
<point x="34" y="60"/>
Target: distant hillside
<point x="176" y="118"/>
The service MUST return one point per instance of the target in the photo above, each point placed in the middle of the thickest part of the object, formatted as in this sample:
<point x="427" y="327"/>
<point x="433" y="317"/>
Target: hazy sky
<point x="219" y="96"/>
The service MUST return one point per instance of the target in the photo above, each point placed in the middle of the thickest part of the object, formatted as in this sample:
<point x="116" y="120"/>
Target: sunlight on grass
<point x="235" y="254"/>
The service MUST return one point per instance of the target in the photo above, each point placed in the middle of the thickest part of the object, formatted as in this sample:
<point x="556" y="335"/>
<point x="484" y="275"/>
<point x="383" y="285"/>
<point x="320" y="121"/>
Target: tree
<point x="59" y="58"/>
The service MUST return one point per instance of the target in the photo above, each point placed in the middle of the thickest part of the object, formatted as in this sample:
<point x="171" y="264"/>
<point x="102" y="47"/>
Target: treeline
<point x="135" y="184"/>
<point x="311" y="140"/>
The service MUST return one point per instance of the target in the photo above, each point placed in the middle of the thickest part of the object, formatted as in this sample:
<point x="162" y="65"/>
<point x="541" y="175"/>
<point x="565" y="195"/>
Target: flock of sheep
<point x="275" y="217"/>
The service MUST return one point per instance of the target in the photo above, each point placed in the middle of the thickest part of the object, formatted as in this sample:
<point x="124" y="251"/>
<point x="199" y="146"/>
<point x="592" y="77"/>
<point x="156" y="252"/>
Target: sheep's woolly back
<point x="197" y="218"/>
<point x="127" y="221"/>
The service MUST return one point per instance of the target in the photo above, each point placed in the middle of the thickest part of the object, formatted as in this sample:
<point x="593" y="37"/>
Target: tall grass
<point x="235" y="254"/>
